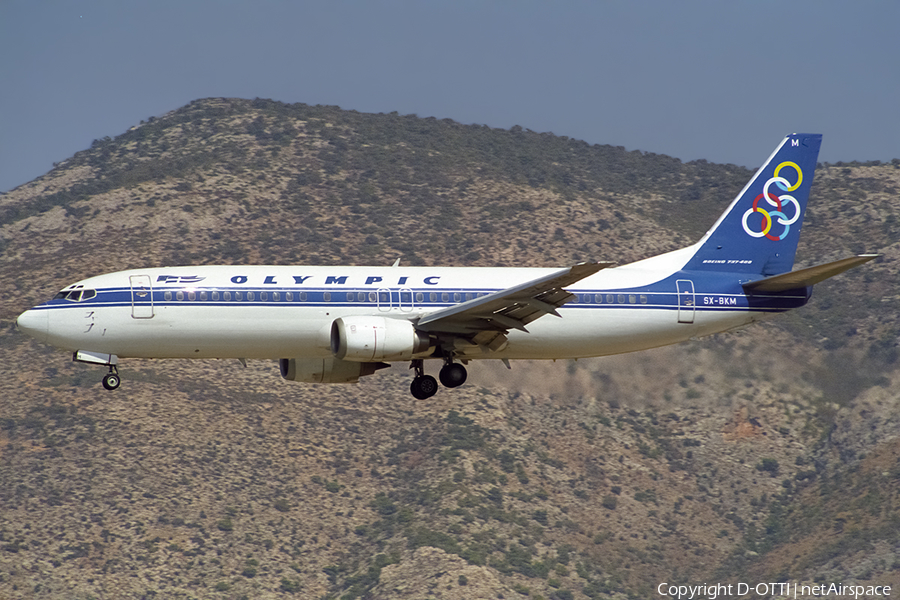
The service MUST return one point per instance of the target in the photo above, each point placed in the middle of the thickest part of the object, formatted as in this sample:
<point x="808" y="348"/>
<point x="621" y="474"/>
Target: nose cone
<point x="34" y="323"/>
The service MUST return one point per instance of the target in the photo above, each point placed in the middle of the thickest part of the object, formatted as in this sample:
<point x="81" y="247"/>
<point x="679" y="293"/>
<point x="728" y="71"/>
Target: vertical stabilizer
<point x="758" y="234"/>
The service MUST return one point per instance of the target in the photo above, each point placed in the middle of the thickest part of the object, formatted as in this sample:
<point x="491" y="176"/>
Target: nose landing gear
<point x="111" y="380"/>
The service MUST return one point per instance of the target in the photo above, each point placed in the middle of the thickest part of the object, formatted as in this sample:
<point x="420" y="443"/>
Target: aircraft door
<point x="685" y="300"/>
<point x="141" y="297"/>
<point x="384" y="300"/>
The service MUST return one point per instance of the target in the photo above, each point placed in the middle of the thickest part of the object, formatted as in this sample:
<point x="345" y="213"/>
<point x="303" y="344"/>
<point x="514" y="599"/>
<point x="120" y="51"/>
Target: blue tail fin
<point x="758" y="233"/>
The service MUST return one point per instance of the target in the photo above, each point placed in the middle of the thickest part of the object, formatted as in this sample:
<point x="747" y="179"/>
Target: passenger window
<point x="433" y="296"/>
<point x="326" y="296"/>
<point x="621" y="298"/>
<point x="575" y="300"/>
<point x="643" y="299"/>
<point x="215" y="296"/>
<point x="351" y="296"/>
<point x="237" y="296"/>
<point x="179" y="295"/>
<point x="632" y="299"/>
<point x="303" y="296"/>
<point x="167" y="296"/>
<point x="228" y="296"/>
<point x="420" y="297"/>
<point x="609" y="298"/>
<point x="456" y="297"/>
<point x="251" y="296"/>
<point x="361" y="296"/>
<point x="276" y="296"/>
<point x="192" y="296"/>
<point x="373" y="297"/>
<point x="468" y="297"/>
<point x="445" y="297"/>
<point x="289" y="296"/>
<point x="203" y="296"/>
<point x="598" y="298"/>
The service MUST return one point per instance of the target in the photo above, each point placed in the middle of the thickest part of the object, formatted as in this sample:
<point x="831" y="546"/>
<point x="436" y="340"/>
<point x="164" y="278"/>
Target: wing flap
<point x="809" y="276"/>
<point x="512" y="308"/>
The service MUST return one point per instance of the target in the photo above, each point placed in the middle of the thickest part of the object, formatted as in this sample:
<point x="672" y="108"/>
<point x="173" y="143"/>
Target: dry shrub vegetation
<point x="766" y="453"/>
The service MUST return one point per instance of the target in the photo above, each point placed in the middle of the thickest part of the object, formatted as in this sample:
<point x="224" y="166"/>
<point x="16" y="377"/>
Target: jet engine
<point x="326" y="370"/>
<point x="369" y="338"/>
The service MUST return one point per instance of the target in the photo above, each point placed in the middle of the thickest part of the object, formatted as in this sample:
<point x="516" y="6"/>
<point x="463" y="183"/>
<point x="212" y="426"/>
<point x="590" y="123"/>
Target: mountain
<point x="768" y="454"/>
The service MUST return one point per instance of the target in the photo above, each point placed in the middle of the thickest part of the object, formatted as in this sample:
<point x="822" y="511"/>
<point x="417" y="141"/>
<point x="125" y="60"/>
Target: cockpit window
<point x="76" y="295"/>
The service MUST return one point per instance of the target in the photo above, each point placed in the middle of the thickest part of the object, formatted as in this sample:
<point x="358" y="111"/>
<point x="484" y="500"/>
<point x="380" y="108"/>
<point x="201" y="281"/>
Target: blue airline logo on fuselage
<point x="183" y="279"/>
<point x="295" y="280"/>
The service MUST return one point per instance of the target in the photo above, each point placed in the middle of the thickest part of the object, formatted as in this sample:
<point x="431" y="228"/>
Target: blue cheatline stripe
<point x="656" y="300"/>
<point x="186" y="303"/>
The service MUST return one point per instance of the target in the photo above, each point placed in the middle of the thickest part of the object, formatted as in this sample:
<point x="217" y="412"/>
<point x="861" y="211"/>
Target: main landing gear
<point x="453" y="374"/>
<point x="425" y="386"/>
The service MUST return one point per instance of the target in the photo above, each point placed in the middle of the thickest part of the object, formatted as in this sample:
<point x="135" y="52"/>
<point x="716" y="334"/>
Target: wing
<point x="486" y="320"/>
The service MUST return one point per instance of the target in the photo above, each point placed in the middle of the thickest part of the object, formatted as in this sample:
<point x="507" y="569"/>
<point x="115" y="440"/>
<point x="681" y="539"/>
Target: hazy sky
<point x="724" y="81"/>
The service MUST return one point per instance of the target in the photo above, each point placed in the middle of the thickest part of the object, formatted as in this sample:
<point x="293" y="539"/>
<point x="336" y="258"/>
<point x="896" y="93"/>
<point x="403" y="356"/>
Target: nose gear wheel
<point x="111" y="380"/>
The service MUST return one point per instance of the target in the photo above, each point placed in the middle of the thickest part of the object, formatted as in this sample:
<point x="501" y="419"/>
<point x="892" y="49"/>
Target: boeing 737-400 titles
<point x="337" y="324"/>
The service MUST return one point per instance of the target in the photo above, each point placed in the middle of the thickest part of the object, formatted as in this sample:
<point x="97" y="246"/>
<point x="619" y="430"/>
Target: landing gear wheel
<point x="453" y="375"/>
<point x="111" y="381"/>
<point x="423" y="387"/>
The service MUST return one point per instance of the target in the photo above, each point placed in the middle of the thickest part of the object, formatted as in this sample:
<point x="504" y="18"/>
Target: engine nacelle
<point x="326" y="370"/>
<point x="370" y="338"/>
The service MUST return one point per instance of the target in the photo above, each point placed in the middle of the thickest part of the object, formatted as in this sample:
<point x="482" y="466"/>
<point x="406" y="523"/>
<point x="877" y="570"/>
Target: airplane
<point x="336" y="324"/>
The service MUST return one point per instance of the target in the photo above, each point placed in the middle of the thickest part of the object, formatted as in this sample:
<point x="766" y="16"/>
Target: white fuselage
<point x="266" y="312"/>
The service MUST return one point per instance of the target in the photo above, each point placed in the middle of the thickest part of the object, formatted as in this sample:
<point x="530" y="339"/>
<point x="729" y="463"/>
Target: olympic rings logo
<point x="769" y="216"/>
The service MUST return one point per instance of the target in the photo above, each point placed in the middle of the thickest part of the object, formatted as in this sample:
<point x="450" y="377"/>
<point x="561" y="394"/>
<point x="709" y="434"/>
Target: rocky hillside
<point x="765" y="453"/>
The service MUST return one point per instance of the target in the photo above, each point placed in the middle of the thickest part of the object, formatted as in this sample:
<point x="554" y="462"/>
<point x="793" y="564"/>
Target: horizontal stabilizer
<point x="808" y="276"/>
